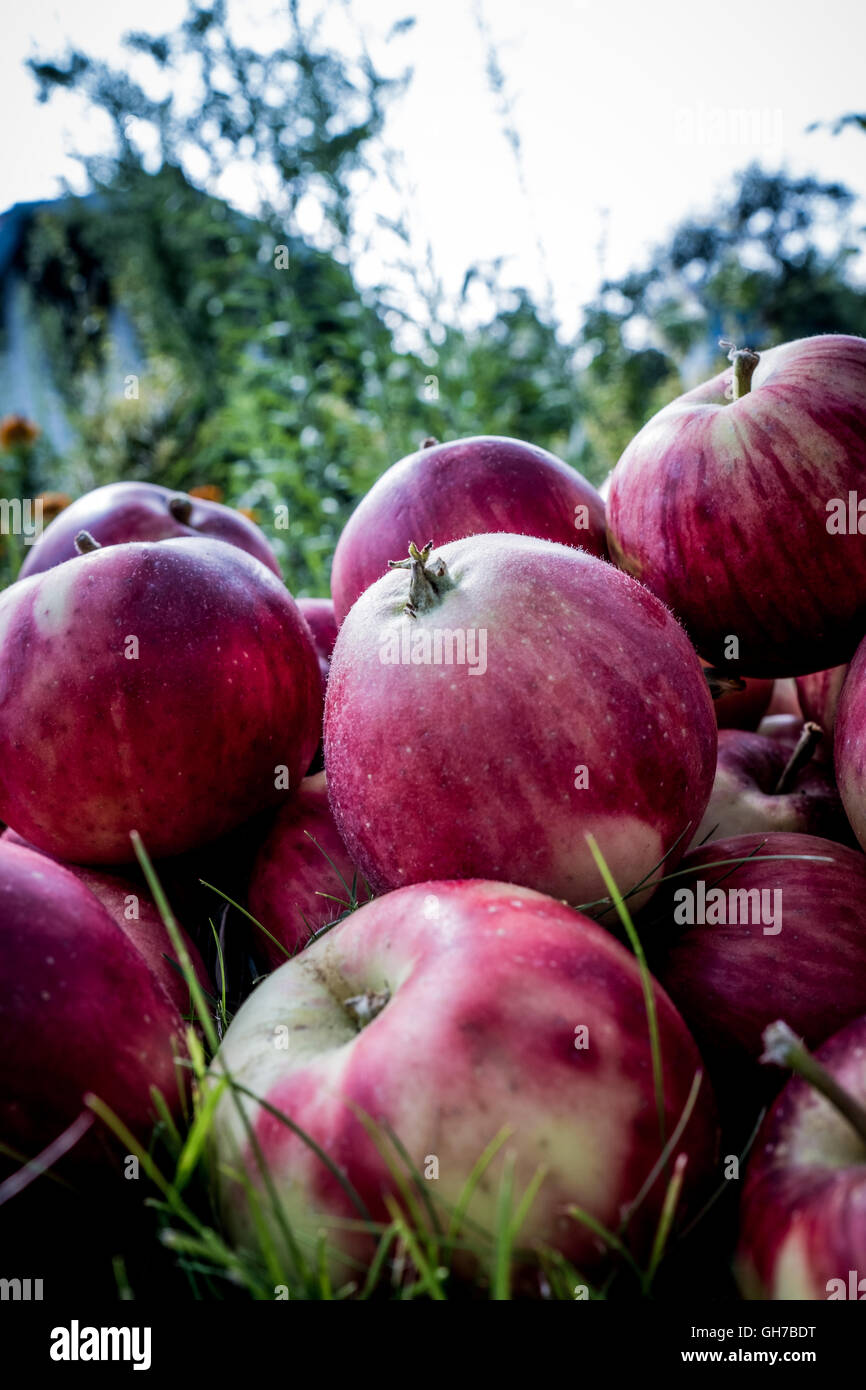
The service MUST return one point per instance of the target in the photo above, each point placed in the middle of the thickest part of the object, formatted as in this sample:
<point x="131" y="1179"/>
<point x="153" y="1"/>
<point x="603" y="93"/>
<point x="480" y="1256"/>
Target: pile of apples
<point x="527" y="930"/>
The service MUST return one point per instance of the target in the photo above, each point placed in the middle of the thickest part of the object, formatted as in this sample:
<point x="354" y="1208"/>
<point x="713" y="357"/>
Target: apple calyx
<point x="430" y="442"/>
<point x="721" y="683"/>
<point x="782" y="1048"/>
<point x="85" y="543"/>
<point x="363" y="1008"/>
<point x="427" y="583"/>
<point x="810" y="736"/>
<point x="745" y="361"/>
<point x="180" y="508"/>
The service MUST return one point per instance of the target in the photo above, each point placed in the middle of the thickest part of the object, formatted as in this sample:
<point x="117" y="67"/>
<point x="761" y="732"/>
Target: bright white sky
<point x="627" y="112"/>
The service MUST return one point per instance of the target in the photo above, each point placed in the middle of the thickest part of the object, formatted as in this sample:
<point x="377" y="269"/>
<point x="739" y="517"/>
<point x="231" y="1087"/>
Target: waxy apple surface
<point x="791" y="944"/>
<point x="803" y="1212"/>
<point x="466" y="487"/>
<point x="302" y="878"/>
<point x="80" y="1009"/>
<point x="121" y="512"/>
<point x="580" y="708"/>
<point x="445" y="1012"/>
<point x="728" y="509"/>
<point x="151" y="687"/>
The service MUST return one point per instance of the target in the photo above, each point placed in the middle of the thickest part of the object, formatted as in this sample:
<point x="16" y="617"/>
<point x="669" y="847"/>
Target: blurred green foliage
<point x="271" y="375"/>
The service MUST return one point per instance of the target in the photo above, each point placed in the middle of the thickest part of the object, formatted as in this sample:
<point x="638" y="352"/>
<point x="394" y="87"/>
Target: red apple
<point x="850" y="743"/>
<point x="463" y="488"/>
<point x="122" y="512"/>
<point x="742" y="709"/>
<point x="559" y="698"/>
<point x="772" y="784"/>
<point x="302" y="878"/>
<point x="170" y="688"/>
<point x="819" y="698"/>
<point x="130" y="905"/>
<point x="800" y="953"/>
<point x="446" y="1012"/>
<point x="803" y="1213"/>
<point x="319" y="613"/>
<point x="743" y="514"/>
<point x="80" y="1009"/>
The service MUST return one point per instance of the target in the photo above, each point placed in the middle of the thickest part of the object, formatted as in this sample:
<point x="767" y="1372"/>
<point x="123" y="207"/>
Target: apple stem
<point x="810" y="736"/>
<point x="180" y="508"/>
<point x="745" y="361"/>
<point x="85" y="543"/>
<point x="427" y="585"/>
<point x="430" y="442"/>
<point x="782" y="1048"/>
<point x="363" y="1008"/>
<point x="721" y="683"/>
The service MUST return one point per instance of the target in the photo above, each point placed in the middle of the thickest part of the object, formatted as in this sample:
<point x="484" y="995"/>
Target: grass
<point x="425" y="1248"/>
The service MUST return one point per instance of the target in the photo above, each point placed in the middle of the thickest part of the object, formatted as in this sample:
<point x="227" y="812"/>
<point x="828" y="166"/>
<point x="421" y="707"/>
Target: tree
<point x="753" y="271"/>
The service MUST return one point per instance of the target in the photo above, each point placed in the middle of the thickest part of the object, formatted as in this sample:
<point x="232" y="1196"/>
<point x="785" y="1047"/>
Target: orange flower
<point x="53" y="503"/>
<point x="208" y="492"/>
<point x="15" y="430"/>
<point x="248" y="512"/>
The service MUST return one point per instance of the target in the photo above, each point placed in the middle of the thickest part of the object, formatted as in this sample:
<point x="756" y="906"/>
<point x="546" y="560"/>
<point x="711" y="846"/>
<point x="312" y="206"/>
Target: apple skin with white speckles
<point x="721" y="508"/>
<point x="155" y="687"/>
<point x="81" y="1010"/>
<point x="122" y="512"/>
<point x="476" y="993"/>
<point x="803" y="1211"/>
<point x="438" y="770"/>
<point x="464" y="487"/>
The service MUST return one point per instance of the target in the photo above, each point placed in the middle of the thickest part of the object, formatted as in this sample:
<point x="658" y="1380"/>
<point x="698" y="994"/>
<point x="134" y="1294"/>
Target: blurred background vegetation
<point x="185" y="343"/>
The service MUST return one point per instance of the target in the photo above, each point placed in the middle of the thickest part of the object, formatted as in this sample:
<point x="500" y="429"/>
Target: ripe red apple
<point x="775" y="938"/>
<point x="170" y="688"/>
<point x="446" y="1012"/>
<point x="80" y="1009"/>
<point x="742" y="709"/>
<point x="850" y="743"/>
<point x="130" y="905"/>
<point x="819" y="698"/>
<point x="463" y="488"/>
<point x="122" y="512"/>
<point x="319" y="613"/>
<point x="302" y="878"/>
<point x="773" y="784"/>
<point x="559" y="698"/>
<point x="747" y="516"/>
<point x="803" y="1212"/>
